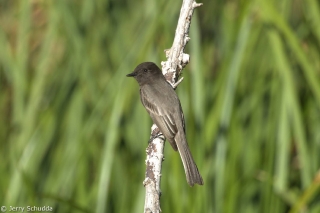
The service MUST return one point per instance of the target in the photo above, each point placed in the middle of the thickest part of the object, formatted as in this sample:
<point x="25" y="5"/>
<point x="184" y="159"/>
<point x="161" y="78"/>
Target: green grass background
<point x="73" y="132"/>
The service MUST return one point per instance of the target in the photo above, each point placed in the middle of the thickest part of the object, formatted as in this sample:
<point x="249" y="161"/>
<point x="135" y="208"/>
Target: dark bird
<point x="163" y="106"/>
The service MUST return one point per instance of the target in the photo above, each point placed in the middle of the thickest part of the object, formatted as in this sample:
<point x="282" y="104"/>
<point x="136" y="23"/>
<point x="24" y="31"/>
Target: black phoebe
<point x="163" y="105"/>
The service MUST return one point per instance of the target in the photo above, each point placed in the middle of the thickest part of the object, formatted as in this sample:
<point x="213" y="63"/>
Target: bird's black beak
<point x="131" y="74"/>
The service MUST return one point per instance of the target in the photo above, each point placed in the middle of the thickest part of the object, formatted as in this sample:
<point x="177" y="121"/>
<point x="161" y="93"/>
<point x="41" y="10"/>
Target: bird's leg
<point x="154" y="134"/>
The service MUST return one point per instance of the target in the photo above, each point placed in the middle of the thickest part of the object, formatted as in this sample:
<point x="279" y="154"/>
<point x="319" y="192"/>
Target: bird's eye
<point x="145" y="70"/>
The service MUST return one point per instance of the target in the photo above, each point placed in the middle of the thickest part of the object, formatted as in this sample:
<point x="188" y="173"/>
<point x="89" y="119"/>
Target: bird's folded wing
<point x="161" y="116"/>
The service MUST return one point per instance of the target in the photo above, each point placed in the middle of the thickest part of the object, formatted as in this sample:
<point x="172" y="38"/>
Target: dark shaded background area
<point x="73" y="132"/>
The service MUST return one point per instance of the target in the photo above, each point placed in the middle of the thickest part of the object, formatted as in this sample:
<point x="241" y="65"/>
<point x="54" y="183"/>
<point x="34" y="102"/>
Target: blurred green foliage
<point x="73" y="132"/>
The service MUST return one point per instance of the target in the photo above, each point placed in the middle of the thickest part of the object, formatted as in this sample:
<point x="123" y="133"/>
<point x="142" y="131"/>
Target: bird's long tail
<point x="192" y="173"/>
